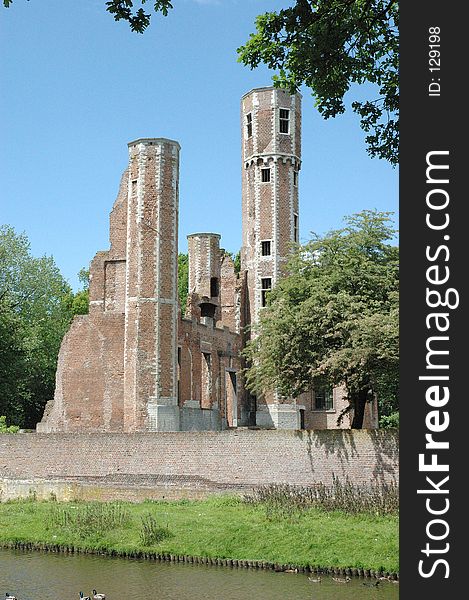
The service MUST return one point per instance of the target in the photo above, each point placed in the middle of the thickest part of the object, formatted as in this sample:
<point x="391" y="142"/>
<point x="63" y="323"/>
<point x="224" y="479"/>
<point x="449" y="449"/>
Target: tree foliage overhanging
<point x="327" y="45"/>
<point x="334" y="318"/>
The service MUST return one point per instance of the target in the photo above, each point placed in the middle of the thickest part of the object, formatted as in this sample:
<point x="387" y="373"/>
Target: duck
<point x="82" y="597"/>
<point x="97" y="596"/>
<point x="389" y="578"/>
<point x="291" y="571"/>
<point x="10" y="597"/>
<point x="371" y="583"/>
<point x="340" y="580"/>
<point x="315" y="579"/>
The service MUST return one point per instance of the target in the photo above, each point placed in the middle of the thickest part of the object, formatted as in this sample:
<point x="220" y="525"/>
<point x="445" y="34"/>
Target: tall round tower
<point x="271" y="160"/>
<point x="271" y="154"/>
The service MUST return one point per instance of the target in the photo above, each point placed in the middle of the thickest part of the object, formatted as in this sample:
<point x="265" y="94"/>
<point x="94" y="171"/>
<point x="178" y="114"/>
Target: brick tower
<point x="150" y="342"/>
<point x="205" y="274"/>
<point x="271" y="157"/>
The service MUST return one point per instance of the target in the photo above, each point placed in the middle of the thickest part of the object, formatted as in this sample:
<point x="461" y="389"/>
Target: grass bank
<point x="218" y="527"/>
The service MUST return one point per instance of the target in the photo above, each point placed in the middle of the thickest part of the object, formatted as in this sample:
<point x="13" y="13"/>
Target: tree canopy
<point x="4" y="428"/>
<point x="78" y="303"/>
<point x="334" y="318"/>
<point x="327" y="45"/>
<point x="36" y="307"/>
<point x="131" y="11"/>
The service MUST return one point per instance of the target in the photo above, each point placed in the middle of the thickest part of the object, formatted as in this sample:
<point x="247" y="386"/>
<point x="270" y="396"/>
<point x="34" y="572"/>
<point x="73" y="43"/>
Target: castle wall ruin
<point x="138" y="362"/>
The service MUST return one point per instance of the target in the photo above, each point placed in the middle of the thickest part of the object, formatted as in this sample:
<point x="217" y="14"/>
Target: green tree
<point x="237" y="262"/>
<point x="183" y="280"/>
<point x="34" y="315"/>
<point x="14" y="392"/>
<point x="78" y="303"/>
<point x="4" y="428"/>
<point x="328" y="45"/>
<point x="131" y="11"/>
<point x="334" y="318"/>
<point x="236" y="258"/>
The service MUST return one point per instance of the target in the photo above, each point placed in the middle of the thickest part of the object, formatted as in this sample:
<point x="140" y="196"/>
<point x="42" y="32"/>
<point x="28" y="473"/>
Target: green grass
<point x="218" y="527"/>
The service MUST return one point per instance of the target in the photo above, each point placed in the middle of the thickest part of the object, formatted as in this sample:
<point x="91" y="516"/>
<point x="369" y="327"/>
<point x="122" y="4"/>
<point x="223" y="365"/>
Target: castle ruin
<point x="138" y="361"/>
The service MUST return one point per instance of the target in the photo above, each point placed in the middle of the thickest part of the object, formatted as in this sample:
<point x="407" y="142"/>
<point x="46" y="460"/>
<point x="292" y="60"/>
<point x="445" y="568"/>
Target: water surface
<point x="39" y="575"/>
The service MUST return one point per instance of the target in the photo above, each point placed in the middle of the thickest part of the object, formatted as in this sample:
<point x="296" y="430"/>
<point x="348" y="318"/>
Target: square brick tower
<point x="271" y="160"/>
<point x="151" y="305"/>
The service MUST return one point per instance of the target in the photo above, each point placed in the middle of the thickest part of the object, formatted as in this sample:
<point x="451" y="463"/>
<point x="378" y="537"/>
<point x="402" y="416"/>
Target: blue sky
<point x="76" y="87"/>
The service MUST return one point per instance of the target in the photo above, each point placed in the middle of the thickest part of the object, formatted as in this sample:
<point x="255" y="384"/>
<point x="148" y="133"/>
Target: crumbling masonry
<point x="140" y="362"/>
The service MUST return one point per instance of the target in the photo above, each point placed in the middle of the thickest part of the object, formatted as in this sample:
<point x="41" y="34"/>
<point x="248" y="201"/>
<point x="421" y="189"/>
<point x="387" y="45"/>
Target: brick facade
<point x="137" y="362"/>
<point x="211" y="461"/>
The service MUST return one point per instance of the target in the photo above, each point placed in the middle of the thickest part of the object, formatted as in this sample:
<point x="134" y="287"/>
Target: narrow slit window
<point x="284" y="120"/>
<point x="266" y="249"/>
<point x="249" y="125"/>
<point x="266" y="286"/>
<point x="295" y="178"/>
<point x="265" y="177"/>
<point x="214" y="287"/>
<point x="296" y="236"/>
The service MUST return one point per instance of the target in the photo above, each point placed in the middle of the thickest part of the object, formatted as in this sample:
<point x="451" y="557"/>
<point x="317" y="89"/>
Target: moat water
<point x="37" y="575"/>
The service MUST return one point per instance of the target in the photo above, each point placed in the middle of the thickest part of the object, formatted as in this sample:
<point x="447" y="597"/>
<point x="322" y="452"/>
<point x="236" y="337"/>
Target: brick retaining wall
<point x="194" y="461"/>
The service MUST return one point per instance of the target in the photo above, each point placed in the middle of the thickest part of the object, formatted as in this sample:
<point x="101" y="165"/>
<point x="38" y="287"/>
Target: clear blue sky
<point x="76" y="87"/>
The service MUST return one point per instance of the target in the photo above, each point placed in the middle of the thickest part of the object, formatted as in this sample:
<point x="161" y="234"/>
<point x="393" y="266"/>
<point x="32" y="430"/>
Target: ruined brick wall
<point x="220" y="460"/>
<point x="118" y="365"/>
<point x="201" y="389"/>
<point x="89" y="393"/>
<point x="89" y="390"/>
<point x="107" y="269"/>
<point x="230" y="295"/>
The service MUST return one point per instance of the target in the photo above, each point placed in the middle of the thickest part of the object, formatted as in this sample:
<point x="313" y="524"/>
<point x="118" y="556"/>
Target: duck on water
<point x="95" y="596"/>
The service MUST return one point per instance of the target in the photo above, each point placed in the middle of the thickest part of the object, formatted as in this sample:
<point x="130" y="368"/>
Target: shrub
<point x="150" y="532"/>
<point x="4" y="428"/>
<point x="389" y="421"/>
<point x="89" y="518"/>
<point x="287" y="500"/>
